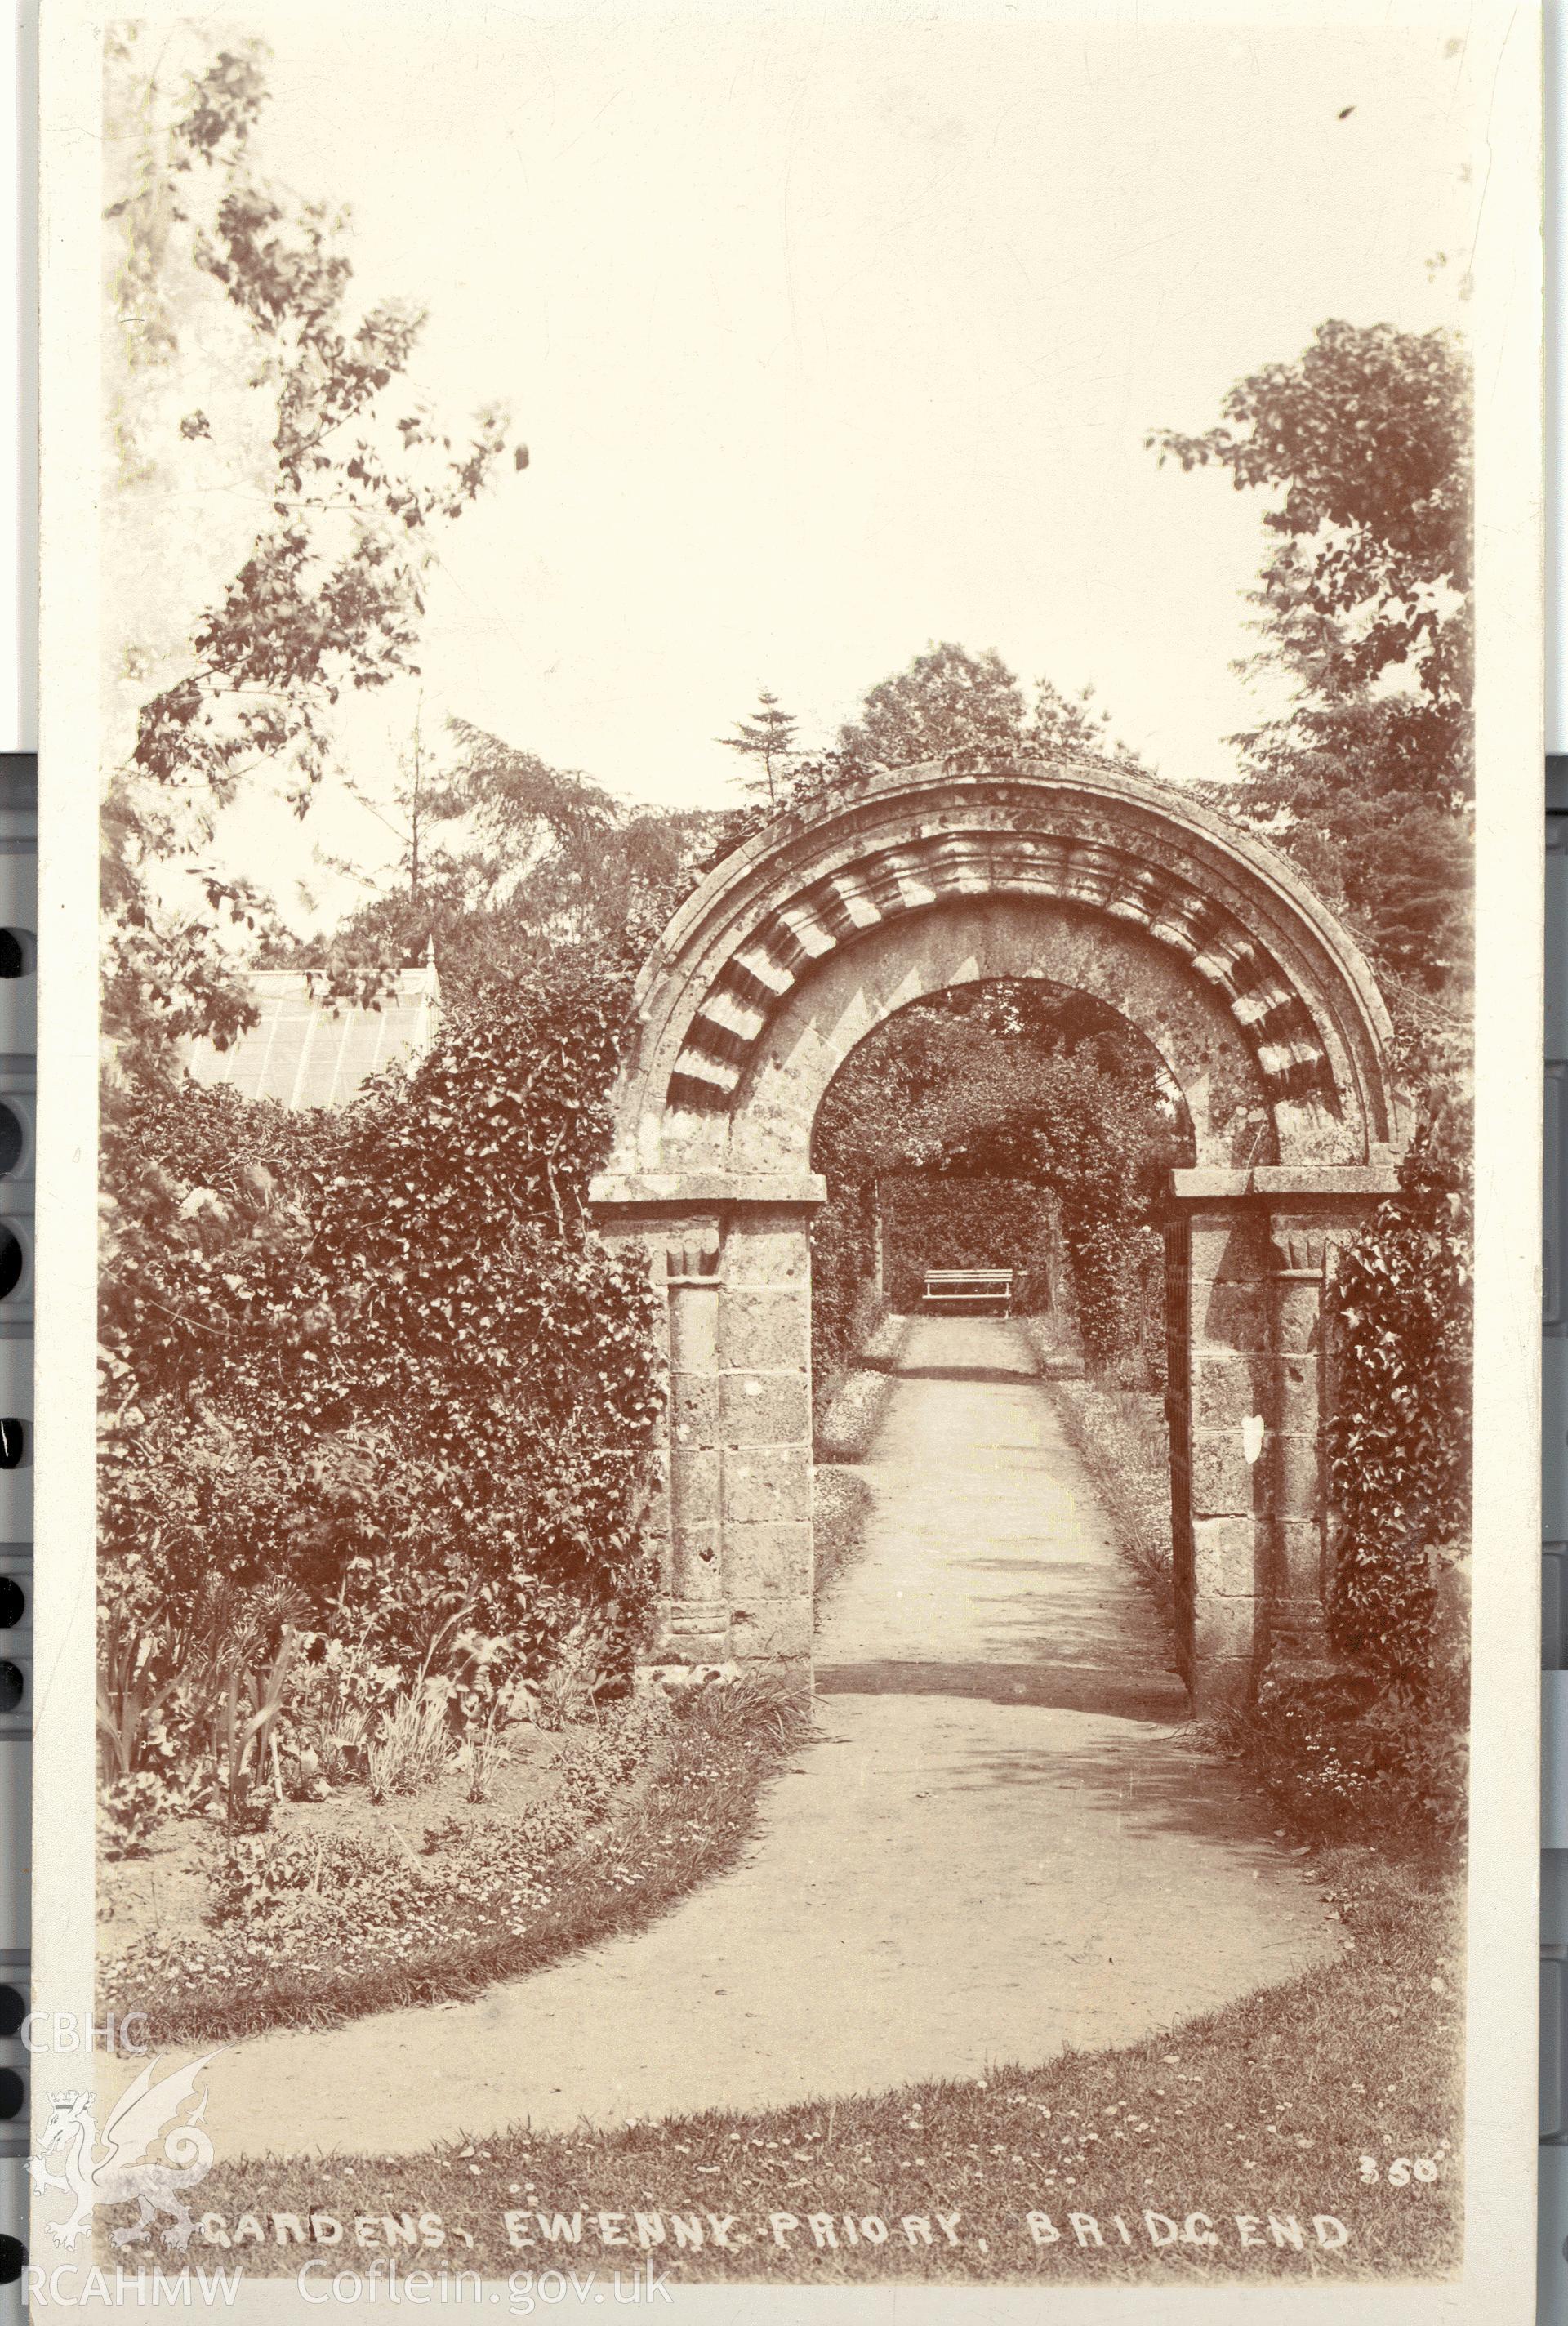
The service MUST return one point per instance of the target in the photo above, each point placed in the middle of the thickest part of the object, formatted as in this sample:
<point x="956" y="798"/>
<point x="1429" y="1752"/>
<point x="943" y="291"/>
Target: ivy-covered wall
<point x="374" y="1363"/>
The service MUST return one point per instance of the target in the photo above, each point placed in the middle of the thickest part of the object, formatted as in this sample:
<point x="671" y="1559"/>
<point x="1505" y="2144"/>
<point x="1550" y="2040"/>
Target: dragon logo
<point x="117" y="2169"/>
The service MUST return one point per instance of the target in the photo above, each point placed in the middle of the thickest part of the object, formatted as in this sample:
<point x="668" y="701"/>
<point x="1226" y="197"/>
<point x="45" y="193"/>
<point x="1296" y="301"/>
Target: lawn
<point x="841" y="1500"/>
<point x="852" y="1403"/>
<point x="1307" y="2126"/>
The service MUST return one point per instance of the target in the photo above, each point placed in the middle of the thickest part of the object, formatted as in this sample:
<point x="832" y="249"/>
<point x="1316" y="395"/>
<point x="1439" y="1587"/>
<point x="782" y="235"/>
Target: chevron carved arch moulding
<point x="1019" y="857"/>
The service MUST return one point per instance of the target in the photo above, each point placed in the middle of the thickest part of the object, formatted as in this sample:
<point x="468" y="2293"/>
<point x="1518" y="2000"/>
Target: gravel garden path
<point x="998" y="1846"/>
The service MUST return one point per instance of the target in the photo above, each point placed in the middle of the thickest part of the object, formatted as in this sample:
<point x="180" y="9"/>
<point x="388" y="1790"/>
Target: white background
<point x="18" y="496"/>
<point x="18" y="400"/>
<point x="997" y="492"/>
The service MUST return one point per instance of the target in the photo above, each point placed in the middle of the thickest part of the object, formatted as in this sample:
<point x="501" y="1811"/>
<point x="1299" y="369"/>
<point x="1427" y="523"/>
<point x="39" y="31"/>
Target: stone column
<point x="765" y="1389"/>
<point x="1298" y="1481"/>
<point x="1219" y="1387"/>
<point x="1249" y="1551"/>
<point x="694" y="1625"/>
<point x="733" y="1524"/>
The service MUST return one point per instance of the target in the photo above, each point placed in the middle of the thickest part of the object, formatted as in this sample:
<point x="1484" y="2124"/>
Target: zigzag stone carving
<point x="923" y="873"/>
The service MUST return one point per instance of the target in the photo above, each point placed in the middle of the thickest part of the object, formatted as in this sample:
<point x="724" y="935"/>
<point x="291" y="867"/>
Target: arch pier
<point x="815" y="931"/>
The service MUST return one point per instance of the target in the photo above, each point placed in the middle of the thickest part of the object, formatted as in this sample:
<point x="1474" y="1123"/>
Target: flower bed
<point x="303" y="1927"/>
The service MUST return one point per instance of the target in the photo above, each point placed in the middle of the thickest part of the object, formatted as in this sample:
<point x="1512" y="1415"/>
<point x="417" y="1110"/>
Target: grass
<point x="1121" y="1438"/>
<point x="686" y="1821"/>
<point x="851" y="1404"/>
<point x="840" y="1506"/>
<point x="1266" y="2107"/>
<point x="414" y="1750"/>
<point x="846" y="1428"/>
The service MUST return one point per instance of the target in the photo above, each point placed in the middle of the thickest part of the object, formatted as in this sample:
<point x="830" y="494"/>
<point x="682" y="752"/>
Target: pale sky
<point x="832" y="332"/>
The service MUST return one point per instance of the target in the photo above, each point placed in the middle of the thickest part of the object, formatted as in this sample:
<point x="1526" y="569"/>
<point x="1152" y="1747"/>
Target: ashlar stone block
<point x="694" y="1327"/>
<point x="765" y="1409"/>
<point x="1298" y="1474"/>
<point x="1227" y="1250"/>
<point x="1229" y="1385"/>
<point x="767" y="1560"/>
<point x="696" y="1474"/>
<point x="1229" y="1315"/>
<point x="1223" y="1480"/>
<point x="777" y="1630"/>
<point x="1298" y="1317"/>
<point x="697" y="1565"/>
<point x="770" y="1249"/>
<point x="694" y="1409"/>
<point x="767" y="1327"/>
<point x="1300" y="1547"/>
<point x="1224" y="1559"/>
<point x="693" y="1637"/>
<point x="1222" y="1656"/>
<point x="765" y="1484"/>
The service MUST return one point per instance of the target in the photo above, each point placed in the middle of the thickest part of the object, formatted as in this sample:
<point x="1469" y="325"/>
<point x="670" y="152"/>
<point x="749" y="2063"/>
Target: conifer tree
<point x="767" y="741"/>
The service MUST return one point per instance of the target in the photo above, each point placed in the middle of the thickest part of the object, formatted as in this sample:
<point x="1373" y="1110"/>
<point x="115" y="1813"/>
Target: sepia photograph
<point x="787" y="801"/>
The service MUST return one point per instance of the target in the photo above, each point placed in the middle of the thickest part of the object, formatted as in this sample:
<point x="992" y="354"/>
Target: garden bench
<point x="970" y="1284"/>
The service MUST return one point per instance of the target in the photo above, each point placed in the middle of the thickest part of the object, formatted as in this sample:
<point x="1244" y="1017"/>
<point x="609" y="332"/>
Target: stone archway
<point x="811" y="934"/>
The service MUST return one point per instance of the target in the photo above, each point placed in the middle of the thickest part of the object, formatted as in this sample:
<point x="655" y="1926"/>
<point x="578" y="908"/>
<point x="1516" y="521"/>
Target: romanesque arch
<point x="811" y="934"/>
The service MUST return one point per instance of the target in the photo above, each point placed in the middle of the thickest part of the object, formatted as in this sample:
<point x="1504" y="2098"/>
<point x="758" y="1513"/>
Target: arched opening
<point x="810" y="937"/>
<point x="992" y="1499"/>
<point x="1012" y="1125"/>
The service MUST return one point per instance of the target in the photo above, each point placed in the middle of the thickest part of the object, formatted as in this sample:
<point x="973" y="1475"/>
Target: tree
<point x="951" y="703"/>
<point x="966" y="710"/>
<point x="1364" y="444"/>
<point x="309" y="422"/>
<point x="506" y="864"/>
<point x="767" y="739"/>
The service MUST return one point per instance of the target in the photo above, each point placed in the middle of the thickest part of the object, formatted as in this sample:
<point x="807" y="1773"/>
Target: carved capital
<point x="1302" y="1248"/>
<point x="692" y="1256"/>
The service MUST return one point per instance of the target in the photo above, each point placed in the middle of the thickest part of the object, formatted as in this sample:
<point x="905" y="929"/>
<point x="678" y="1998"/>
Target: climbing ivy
<point x="378" y="1356"/>
<point x="1398" y="1434"/>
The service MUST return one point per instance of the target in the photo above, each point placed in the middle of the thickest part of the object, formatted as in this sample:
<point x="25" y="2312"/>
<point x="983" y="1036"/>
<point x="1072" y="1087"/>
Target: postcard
<point x="788" y="1240"/>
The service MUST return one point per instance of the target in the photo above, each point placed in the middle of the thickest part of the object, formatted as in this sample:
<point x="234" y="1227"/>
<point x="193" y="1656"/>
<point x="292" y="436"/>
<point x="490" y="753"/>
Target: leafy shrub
<point x="130" y="1811"/>
<point x="1345" y="1760"/>
<point x="842" y="1236"/>
<point x="584" y="1666"/>
<point x="338" y="1695"/>
<point x="193" y="1695"/>
<point x="379" y="1355"/>
<point x="1398" y="1432"/>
